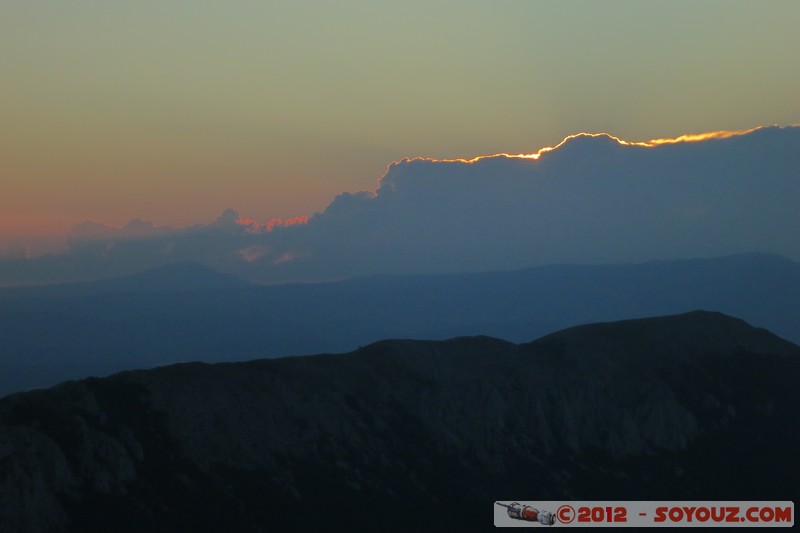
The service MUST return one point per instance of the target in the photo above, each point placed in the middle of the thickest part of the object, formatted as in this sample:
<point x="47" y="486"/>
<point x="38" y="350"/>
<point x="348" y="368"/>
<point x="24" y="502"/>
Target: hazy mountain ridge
<point x="180" y="276"/>
<point x="696" y="406"/>
<point x="50" y="334"/>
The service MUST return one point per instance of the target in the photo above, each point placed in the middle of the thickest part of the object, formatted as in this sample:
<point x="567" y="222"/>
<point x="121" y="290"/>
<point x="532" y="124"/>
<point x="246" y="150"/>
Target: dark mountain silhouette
<point x="411" y="434"/>
<point x="50" y="334"/>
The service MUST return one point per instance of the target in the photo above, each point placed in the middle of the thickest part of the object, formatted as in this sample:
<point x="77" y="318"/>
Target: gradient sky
<point x="172" y="111"/>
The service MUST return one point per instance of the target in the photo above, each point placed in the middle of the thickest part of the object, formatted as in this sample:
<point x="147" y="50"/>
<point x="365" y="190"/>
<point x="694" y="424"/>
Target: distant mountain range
<point x="411" y="435"/>
<point x="186" y="312"/>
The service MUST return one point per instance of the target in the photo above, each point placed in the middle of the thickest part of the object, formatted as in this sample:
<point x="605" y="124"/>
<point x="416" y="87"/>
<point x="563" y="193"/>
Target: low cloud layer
<point x="591" y="199"/>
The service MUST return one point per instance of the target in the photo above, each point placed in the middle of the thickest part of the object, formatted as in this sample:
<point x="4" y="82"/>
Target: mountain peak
<point x="684" y="336"/>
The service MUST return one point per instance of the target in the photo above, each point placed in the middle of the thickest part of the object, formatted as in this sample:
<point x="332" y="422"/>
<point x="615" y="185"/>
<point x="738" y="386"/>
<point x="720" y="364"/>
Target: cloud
<point x="253" y="253"/>
<point x="229" y="218"/>
<point x="89" y="231"/>
<point x="593" y="198"/>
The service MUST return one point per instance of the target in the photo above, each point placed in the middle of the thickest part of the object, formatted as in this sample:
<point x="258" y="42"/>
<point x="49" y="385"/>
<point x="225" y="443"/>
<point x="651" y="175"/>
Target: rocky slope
<point x="405" y="434"/>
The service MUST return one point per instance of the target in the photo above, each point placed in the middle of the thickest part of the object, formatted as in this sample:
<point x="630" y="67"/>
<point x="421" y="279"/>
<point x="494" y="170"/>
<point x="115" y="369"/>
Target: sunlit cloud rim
<point x="685" y="138"/>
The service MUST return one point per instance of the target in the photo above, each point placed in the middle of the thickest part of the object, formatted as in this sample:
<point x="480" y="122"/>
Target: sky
<point x="172" y="111"/>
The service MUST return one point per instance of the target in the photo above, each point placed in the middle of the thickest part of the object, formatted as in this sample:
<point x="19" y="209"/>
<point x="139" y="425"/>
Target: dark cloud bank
<point x="590" y="200"/>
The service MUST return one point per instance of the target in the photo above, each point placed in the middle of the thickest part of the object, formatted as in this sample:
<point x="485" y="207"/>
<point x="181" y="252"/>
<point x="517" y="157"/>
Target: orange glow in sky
<point x="254" y="226"/>
<point x="168" y="113"/>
